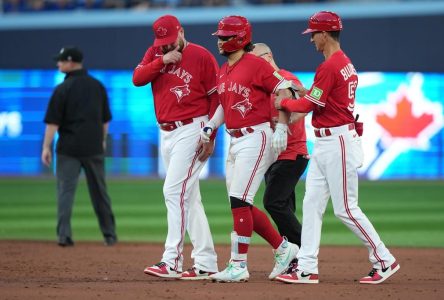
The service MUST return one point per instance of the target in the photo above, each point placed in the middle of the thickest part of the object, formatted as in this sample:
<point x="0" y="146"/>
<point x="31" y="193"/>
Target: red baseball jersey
<point x="181" y="91"/>
<point x="297" y="139"/>
<point x="244" y="91"/>
<point x="333" y="92"/>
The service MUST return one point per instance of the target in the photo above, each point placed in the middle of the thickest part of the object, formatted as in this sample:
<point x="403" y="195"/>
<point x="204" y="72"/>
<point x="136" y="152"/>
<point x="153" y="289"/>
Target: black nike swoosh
<point x="305" y="275"/>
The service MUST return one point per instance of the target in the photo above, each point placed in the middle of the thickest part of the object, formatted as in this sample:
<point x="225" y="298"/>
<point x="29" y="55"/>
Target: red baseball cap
<point x="166" y="30"/>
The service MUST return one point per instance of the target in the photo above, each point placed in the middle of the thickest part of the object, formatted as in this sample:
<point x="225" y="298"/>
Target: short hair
<point x="249" y="47"/>
<point x="334" y="35"/>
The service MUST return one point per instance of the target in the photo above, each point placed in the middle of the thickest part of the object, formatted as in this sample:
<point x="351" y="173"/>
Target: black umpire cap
<point x="69" y="54"/>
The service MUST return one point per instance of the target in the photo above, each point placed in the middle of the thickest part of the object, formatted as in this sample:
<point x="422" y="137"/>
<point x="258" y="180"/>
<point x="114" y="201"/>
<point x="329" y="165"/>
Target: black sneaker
<point x="110" y="241"/>
<point x="66" y="242"/>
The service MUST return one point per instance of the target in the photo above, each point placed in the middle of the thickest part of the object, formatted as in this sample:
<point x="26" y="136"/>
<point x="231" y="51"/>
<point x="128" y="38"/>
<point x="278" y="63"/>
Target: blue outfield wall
<point x="403" y="116"/>
<point x="395" y="46"/>
<point x="393" y="36"/>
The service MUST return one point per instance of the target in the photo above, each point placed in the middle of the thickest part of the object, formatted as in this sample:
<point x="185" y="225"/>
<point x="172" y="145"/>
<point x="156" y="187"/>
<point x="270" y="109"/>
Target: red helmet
<point x="324" y="21"/>
<point x="236" y="26"/>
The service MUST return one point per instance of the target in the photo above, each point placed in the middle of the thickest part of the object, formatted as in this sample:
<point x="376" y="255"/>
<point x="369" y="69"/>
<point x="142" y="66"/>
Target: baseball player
<point x="283" y="175"/>
<point x="245" y="83"/>
<point x="183" y="80"/>
<point x="336" y="156"/>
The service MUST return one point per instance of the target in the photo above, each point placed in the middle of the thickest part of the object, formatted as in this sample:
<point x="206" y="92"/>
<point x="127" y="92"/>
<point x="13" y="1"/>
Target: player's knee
<point x="274" y="203"/>
<point x="236" y="203"/>
<point x="170" y="194"/>
<point x="341" y="214"/>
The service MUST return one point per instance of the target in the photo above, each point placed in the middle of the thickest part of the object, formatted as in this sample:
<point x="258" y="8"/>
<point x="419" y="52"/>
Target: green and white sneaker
<point x="236" y="271"/>
<point x="283" y="257"/>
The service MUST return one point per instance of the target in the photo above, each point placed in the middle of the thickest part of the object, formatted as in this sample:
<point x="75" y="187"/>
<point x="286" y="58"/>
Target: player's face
<point x="180" y="41"/>
<point x="318" y="39"/>
<point x="222" y="40"/>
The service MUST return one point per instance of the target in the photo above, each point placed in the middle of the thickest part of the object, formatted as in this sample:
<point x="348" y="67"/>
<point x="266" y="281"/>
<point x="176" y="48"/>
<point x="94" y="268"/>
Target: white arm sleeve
<point x="218" y="117"/>
<point x="287" y="84"/>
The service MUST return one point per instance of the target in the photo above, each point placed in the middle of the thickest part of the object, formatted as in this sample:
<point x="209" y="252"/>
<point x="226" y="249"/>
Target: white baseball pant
<point x="333" y="172"/>
<point x="185" y="211"/>
<point x="248" y="159"/>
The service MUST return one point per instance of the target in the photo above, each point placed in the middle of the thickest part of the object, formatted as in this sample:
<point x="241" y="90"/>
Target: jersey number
<point x="352" y="85"/>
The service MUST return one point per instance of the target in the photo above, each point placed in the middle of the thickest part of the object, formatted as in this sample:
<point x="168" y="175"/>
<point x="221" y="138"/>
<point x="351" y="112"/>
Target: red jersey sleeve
<point x="149" y="68"/>
<point x="323" y="82"/>
<point x="268" y="77"/>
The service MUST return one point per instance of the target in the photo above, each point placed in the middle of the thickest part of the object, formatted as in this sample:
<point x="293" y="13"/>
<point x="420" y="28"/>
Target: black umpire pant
<point x="67" y="171"/>
<point x="279" y="197"/>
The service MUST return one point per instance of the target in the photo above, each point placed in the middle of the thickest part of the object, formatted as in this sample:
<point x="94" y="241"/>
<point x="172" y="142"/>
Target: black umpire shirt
<point x="79" y="106"/>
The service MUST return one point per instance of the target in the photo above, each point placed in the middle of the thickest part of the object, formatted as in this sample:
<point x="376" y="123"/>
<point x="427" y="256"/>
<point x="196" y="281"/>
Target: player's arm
<point x="50" y="131"/>
<point x="105" y="134"/>
<point x="296" y="116"/>
<point x="316" y="96"/>
<point x="208" y="133"/>
<point x="148" y="69"/>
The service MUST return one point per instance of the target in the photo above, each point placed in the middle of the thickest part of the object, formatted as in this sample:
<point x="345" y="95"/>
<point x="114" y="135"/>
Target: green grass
<point x="404" y="213"/>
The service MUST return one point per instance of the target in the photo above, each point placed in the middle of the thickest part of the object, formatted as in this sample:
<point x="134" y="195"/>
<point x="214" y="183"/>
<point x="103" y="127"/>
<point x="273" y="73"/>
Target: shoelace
<point x="161" y="264"/>
<point x="372" y="272"/>
<point x="278" y="257"/>
<point x="230" y="266"/>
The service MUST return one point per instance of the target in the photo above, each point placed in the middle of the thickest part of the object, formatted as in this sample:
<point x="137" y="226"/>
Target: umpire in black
<point x="79" y="111"/>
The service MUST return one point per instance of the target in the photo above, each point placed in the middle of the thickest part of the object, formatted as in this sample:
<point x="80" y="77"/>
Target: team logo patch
<point x="180" y="91"/>
<point x="161" y="31"/>
<point x="278" y="76"/>
<point x="316" y="93"/>
<point x="243" y="107"/>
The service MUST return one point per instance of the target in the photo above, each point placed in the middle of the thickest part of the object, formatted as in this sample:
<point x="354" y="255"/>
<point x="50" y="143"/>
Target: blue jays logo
<point x="180" y="91"/>
<point x="243" y="107"/>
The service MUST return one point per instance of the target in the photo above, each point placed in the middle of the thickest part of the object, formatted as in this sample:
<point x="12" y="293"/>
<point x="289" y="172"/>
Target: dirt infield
<point x="42" y="270"/>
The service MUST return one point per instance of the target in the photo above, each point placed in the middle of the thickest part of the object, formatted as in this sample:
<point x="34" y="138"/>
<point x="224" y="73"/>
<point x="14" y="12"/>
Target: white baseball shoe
<point x="236" y="271"/>
<point x="162" y="270"/>
<point x="298" y="276"/>
<point x="196" y="274"/>
<point x="283" y="256"/>
<point x="377" y="276"/>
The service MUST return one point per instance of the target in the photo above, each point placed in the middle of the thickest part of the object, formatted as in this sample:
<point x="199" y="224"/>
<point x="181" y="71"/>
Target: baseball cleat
<point x="236" y="271"/>
<point x="298" y="276"/>
<point x="162" y="270"/>
<point x="196" y="274"/>
<point x="283" y="256"/>
<point x="380" y="275"/>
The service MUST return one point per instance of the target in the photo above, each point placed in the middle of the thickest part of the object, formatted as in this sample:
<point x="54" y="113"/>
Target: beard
<point x="168" y="48"/>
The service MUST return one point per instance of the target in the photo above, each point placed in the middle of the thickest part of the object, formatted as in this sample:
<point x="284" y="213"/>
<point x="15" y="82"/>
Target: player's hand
<point x="302" y="91"/>
<point x="207" y="150"/>
<point x="172" y="57"/>
<point x="206" y="132"/>
<point x="277" y="102"/>
<point x="279" y="140"/>
<point x="46" y="156"/>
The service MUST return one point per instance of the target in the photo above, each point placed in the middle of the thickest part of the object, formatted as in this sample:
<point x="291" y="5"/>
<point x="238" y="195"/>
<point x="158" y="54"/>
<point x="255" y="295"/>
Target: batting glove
<point x="279" y="140"/>
<point x="206" y="132"/>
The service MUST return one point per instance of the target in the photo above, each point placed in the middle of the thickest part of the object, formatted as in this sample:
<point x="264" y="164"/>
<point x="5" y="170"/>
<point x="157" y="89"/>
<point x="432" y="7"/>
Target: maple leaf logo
<point x="180" y="91"/>
<point x="404" y="124"/>
<point x="409" y="117"/>
<point x="243" y="107"/>
<point x="161" y="31"/>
